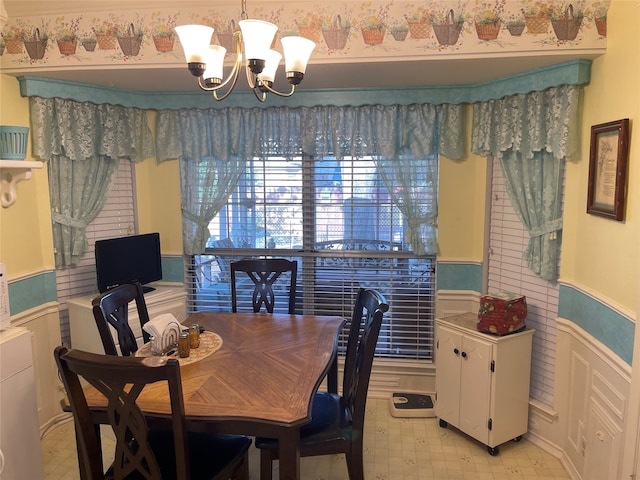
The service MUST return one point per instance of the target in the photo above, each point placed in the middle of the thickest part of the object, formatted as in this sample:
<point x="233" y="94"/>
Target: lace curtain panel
<point x="205" y="136"/>
<point x="532" y="134"/>
<point x="83" y="143"/>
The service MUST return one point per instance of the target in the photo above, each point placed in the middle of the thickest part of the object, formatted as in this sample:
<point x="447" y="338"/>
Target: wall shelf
<point x="12" y="172"/>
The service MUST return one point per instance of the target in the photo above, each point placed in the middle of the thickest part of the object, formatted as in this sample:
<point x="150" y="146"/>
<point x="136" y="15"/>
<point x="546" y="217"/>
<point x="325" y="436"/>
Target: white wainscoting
<point x="592" y="391"/>
<point x="44" y="322"/>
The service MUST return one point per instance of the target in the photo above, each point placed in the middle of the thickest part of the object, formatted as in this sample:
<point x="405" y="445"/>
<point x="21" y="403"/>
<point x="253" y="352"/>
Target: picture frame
<point x="608" y="158"/>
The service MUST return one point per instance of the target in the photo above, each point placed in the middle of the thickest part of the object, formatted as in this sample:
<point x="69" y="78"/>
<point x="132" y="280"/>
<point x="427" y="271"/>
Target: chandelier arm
<point x="252" y="79"/>
<point x="229" y="90"/>
<point x="263" y="86"/>
<point x="262" y="97"/>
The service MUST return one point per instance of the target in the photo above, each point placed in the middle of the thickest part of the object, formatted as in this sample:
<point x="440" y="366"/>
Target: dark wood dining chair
<point x="140" y="452"/>
<point x="264" y="273"/>
<point x="337" y="421"/>
<point x="112" y="309"/>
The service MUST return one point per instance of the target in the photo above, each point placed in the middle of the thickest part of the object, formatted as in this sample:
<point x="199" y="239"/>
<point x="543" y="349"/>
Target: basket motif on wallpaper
<point x="14" y="45"/>
<point x="336" y="36"/>
<point x="372" y="36"/>
<point x="488" y="31"/>
<point x="89" y="44"/>
<point x="106" y="41"/>
<point x="37" y="46"/>
<point x="537" y="23"/>
<point x="312" y="32"/>
<point x="601" y="27"/>
<point x="67" y="47"/>
<point x="164" y="44"/>
<point x="226" y="39"/>
<point x="567" y="27"/>
<point x="515" y="30"/>
<point x="130" y="43"/>
<point x="419" y="29"/>
<point x="449" y="32"/>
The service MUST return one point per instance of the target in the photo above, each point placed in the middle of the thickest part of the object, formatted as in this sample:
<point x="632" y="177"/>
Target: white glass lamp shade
<point x="195" y="40"/>
<point x="257" y="36"/>
<point x="297" y="51"/>
<point x="215" y="62"/>
<point x="271" y="66"/>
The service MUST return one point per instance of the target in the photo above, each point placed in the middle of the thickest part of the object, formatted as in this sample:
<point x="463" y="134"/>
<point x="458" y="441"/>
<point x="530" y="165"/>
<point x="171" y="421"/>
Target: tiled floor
<point x="395" y="449"/>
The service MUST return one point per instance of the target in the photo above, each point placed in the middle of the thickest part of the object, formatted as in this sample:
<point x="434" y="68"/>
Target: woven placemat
<point x="209" y="343"/>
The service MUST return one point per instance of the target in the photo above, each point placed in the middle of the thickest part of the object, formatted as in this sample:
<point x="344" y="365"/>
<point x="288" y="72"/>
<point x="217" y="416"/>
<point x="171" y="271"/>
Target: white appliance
<point x="20" y="450"/>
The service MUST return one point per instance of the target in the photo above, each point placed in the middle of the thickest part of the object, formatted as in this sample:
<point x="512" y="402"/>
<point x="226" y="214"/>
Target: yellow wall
<point x="26" y="245"/>
<point x="602" y="255"/>
<point x="158" y="200"/>
<point x="461" y="205"/>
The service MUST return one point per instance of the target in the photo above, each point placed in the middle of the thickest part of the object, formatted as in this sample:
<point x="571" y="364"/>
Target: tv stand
<point x="82" y="325"/>
<point x="147" y="289"/>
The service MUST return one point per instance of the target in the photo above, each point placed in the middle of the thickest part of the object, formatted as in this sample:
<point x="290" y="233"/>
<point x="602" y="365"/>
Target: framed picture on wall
<point x="608" y="169"/>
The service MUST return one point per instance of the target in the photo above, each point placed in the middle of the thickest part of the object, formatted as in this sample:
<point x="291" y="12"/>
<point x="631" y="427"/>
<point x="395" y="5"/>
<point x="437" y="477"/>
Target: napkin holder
<point x="169" y="339"/>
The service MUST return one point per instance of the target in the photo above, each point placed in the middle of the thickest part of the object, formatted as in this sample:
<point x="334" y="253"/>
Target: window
<point x="338" y="220"/>
<point x="116" y="219"/>
<point x="508" y="271"/>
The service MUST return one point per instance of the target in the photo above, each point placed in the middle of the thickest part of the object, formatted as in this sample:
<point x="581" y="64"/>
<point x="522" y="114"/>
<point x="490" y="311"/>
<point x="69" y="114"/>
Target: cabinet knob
<point x="464" y="354"/>
<point x="456" y="351"/>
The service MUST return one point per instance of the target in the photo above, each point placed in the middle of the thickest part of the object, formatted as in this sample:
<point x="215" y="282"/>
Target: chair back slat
<point x="264" y="274"/>
<point x="112" y="308"/>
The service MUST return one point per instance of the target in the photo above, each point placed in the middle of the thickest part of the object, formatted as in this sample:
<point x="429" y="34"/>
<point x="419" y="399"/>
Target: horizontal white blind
<point x="116" y="219"/>
<point x="336" y="218"/>
<point x="508" y="271"/>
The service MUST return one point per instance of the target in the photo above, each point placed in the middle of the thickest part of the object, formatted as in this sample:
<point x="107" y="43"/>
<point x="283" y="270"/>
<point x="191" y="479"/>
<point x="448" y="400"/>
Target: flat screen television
<point x="135" y="258"/>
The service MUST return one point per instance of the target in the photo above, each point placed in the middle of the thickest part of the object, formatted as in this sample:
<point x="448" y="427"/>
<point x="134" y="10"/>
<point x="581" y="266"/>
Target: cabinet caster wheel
<point x="442" y="423"/>
<point x="518" y="438"/>
<point x="493" y="451"/>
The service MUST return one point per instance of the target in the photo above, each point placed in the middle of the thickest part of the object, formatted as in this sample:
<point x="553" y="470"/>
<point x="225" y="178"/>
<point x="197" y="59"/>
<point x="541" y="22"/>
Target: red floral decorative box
<point x="502" y="313"/>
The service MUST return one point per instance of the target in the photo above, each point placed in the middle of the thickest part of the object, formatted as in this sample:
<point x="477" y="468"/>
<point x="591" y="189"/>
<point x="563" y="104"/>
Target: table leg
<point x="289" y="441"/>
<point x="332" y="376"/>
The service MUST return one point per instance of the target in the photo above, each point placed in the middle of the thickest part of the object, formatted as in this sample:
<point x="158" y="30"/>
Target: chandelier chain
<point x="243" y="14"/>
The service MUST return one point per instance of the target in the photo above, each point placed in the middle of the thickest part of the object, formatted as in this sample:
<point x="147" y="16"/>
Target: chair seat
<point x="329" y="423"/>
<point x="209" y="454"/>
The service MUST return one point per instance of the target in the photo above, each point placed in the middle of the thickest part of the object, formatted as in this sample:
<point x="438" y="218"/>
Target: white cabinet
<point x="83" y="328"/>
<point x="482" y="380"/>
<point x="19" y="434"/>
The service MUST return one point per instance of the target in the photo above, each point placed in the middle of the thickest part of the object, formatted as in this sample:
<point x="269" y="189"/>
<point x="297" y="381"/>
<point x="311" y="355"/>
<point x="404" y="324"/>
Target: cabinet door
<point x="475" y="387"/>
<point x="448" y="347"/>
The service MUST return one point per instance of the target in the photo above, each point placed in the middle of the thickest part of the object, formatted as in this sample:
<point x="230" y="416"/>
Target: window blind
<point x="337" y="219"/>
<point x="116" y="219"/>
<point x="508" y="271"/>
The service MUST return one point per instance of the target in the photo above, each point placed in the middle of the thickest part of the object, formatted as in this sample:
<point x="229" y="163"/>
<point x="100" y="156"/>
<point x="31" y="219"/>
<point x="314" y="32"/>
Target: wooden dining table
<point x="260" y="382"/>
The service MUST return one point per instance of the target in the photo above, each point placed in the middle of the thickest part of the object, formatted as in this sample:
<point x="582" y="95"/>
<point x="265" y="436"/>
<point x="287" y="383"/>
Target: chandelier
<point x="254" y="38"/>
